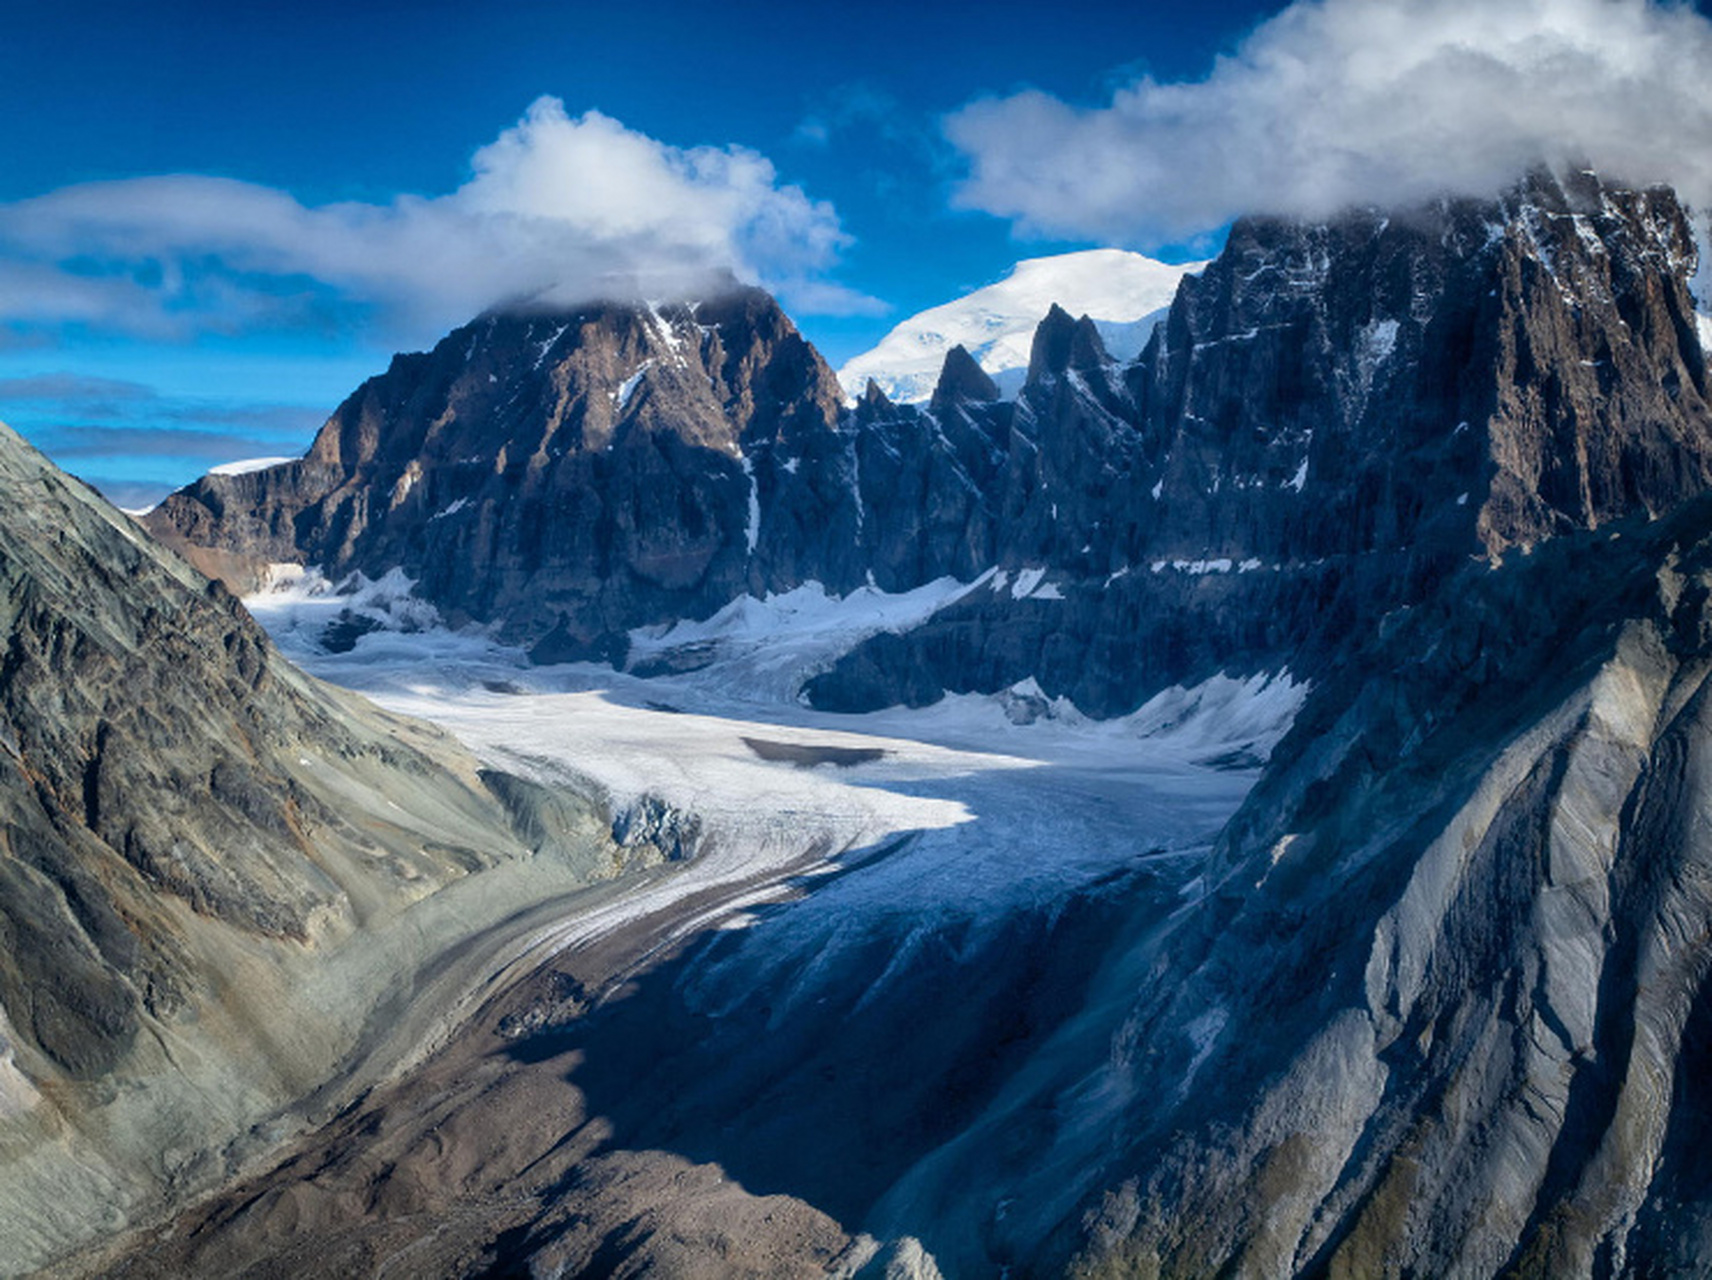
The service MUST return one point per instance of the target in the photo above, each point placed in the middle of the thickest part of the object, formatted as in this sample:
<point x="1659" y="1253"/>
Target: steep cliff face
<point x="1330" y="420"/>
<point x="568" y="475"/>
<point x="1355" y="380"/>
<point x="214" y="871"/>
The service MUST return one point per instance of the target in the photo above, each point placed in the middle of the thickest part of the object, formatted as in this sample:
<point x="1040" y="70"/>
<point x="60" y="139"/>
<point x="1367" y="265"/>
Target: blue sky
<point x="318" y="173"/>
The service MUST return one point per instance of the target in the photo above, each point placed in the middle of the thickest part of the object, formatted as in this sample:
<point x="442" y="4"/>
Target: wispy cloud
<point x="79" y="419"/>
<point x="558" y="209"/>
<point x="856" y="104"/>
<point x="126" y="493"/>
<point x="1340" y="102"/>
<point x="73" y="386"/>
<point x="87" y="441"/>
<point x="76" y="396"/>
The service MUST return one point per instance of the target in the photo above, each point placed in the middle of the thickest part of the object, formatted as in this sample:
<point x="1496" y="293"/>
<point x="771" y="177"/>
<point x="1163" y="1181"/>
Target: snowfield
<point x="972" y="808"/>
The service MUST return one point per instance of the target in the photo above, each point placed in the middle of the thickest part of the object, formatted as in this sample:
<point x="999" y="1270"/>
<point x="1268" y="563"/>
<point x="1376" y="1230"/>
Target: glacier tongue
<point x="1002" y="802"/>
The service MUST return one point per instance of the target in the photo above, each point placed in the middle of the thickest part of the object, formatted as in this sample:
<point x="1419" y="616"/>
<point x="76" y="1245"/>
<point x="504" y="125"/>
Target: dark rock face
<point x="572" y="475"/>
<point x="1331" y="420"/>
<point x="961" y="379"/>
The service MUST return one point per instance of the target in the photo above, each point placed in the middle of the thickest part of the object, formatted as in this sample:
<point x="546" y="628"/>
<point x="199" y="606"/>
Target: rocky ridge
<point x="217" y="875"/>
<point x="1440" y="1006"/>
<point x="1330" y="420"/>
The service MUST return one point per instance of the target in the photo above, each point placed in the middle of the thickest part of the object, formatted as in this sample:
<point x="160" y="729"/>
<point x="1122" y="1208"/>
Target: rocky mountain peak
<point x="1049" y="356"/>
<point x="961" y="379"/>
<point x="1065" y="345"/>
<point x="1331" y="418"/>
<point x="456" y="464"/>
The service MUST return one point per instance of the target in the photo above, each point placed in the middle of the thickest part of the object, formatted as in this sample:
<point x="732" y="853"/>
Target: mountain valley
<point x="1233" y="809"/>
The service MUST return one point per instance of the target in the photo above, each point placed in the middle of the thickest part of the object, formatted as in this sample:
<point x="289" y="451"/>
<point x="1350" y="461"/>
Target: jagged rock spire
<point x="1062" y="343"/>
<point x="962" y="379"/>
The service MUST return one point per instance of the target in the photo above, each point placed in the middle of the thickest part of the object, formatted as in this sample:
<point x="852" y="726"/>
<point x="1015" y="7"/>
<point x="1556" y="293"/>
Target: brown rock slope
<point x="570" y="474"/>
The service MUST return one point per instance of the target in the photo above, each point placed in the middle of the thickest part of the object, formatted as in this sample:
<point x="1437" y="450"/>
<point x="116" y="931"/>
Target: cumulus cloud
<point x="558" y="209"/>
<point x="1334" y="103"/>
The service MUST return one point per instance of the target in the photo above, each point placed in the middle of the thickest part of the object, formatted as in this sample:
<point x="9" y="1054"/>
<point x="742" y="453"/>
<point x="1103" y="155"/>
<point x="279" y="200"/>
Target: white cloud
<point x="1334" y="103"/>
<point x="558" y="209"/>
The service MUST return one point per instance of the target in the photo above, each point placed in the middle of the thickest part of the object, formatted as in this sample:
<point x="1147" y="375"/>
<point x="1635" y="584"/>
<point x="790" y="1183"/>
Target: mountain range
<point x="1330" y="419"/>
<point x="1229" y="808"/>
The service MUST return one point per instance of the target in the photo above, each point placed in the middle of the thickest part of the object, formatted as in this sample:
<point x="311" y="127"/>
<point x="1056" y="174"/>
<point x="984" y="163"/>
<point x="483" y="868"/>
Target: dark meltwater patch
<point x="808" y="755"/>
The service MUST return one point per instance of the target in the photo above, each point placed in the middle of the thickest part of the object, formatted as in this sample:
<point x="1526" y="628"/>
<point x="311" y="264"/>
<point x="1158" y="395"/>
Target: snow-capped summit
<point x="1124" y="293"/>
<point x="243" y="466"/>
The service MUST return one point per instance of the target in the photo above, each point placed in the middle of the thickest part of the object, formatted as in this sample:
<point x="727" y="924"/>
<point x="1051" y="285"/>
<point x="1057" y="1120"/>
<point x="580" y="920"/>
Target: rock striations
<point x="1330" y="420"/>
<point x="217" y="876"/>
<point x="1441" y="1004"/>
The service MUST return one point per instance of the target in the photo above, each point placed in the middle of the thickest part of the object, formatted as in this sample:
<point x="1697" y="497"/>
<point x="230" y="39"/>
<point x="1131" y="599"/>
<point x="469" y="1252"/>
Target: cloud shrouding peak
<point x="1334" y="103"/>
<point x="558" y="209"/>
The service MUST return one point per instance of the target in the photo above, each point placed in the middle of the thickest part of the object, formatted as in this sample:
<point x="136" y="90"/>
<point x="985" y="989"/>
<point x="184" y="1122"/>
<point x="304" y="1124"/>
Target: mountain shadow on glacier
<point x="815" y="1086"/>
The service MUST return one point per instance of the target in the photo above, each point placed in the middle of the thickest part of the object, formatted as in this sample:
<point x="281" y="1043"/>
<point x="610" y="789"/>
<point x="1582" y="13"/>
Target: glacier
<point x="977" y="806"/>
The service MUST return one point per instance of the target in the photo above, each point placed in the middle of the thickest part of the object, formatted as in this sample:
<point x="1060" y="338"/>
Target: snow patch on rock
<point x="764" y="648"/>
<point x="298" y="605"/>
<point x="627" y="388"/>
